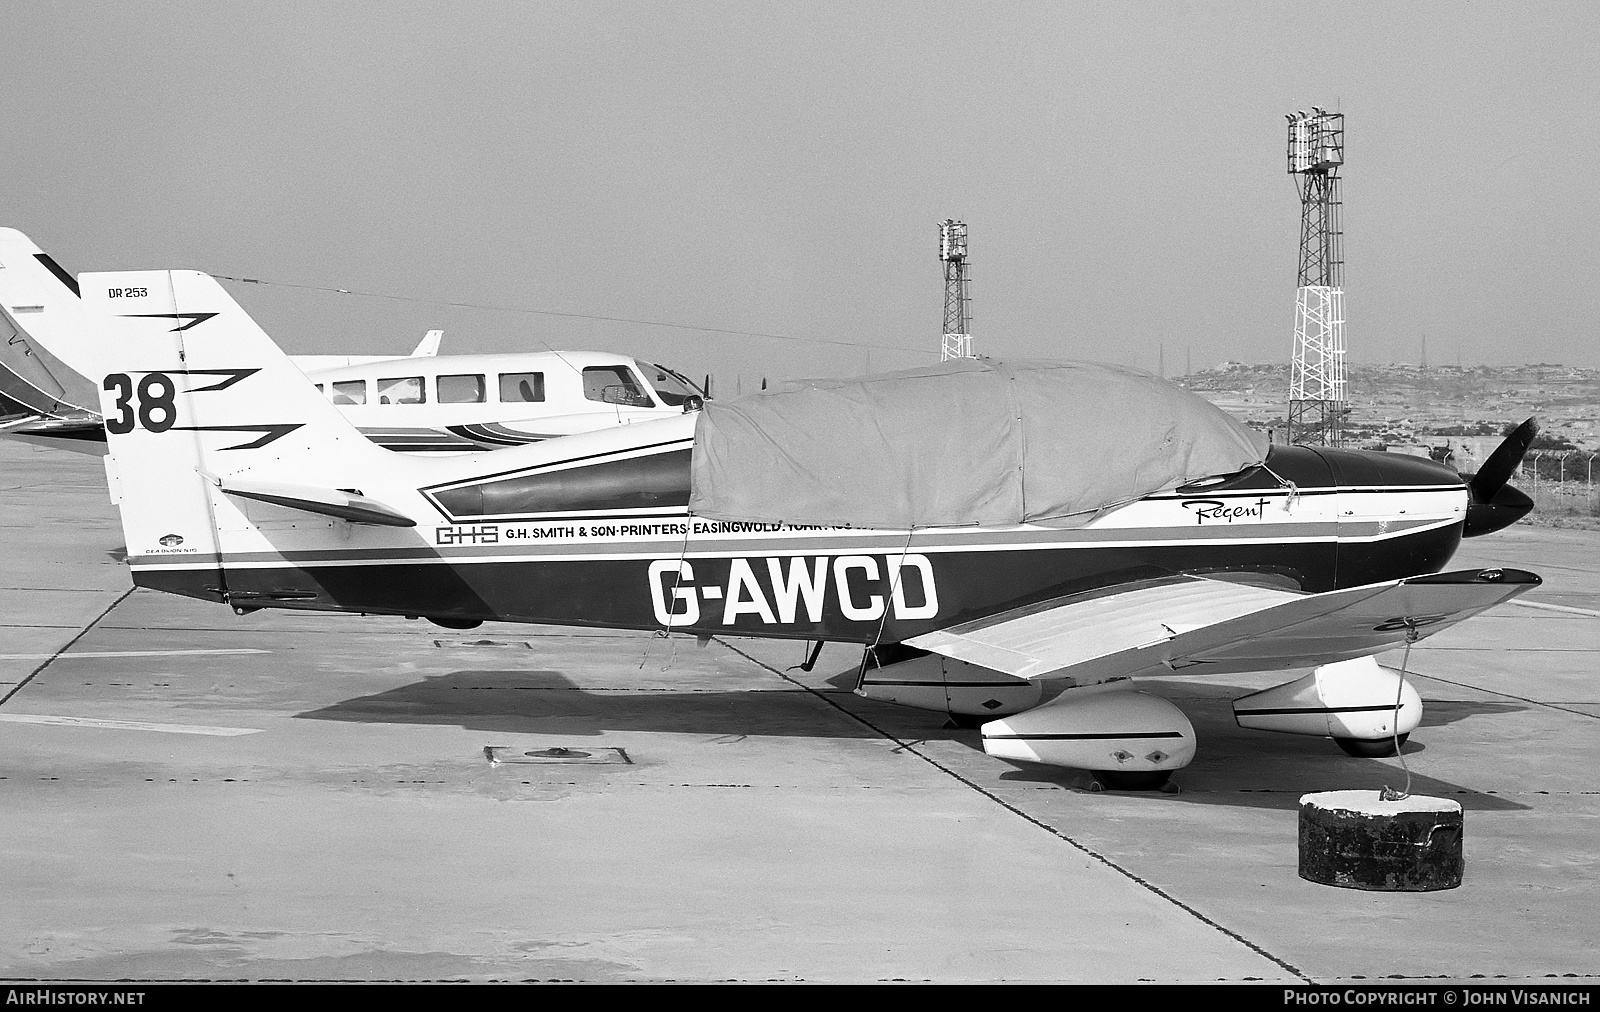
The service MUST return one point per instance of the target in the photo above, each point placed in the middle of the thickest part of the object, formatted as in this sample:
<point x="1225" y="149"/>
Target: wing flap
<point x="1037" y="640"/>
<point x="1211" y="625"/>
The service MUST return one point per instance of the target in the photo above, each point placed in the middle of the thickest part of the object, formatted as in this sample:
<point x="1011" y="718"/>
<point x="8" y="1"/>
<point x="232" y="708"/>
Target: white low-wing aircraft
<point x="423" y="403"/>
<point x="1013" y="568"/>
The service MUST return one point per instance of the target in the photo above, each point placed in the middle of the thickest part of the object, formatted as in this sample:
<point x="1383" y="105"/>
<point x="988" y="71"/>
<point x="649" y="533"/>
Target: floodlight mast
<point x="957" y="293"/>
<point x="1317" y="378"/>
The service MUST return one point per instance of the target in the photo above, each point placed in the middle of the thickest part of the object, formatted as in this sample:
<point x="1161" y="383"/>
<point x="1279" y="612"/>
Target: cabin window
<point x="318" y="386"/>
<point x="614" y="384"/>
<point x="671" y="388"/>
<point x="521" y="387"/>
<point x="400" y="390"/>
<point x="350" y="392"/>
<point x="465" y="389"/>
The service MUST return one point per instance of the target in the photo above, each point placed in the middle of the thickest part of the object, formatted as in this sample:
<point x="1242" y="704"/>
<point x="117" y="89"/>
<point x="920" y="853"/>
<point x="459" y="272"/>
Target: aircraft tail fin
<point x="429" y="345"/>
<point x="200" y="405"/>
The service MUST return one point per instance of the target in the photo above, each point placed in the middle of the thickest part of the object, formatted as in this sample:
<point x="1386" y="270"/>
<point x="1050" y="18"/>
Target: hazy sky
<point x="779" y="168"/>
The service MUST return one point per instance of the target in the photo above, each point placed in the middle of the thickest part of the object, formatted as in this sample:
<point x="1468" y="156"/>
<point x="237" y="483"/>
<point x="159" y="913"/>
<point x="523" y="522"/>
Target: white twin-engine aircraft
<point x="424" y="403"/>
<point x="464" y="403"/>
<point x="1006" y="564"/>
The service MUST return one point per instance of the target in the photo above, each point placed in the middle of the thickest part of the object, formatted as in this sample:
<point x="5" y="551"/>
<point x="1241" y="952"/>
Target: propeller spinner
<point x="1493" y="504"/>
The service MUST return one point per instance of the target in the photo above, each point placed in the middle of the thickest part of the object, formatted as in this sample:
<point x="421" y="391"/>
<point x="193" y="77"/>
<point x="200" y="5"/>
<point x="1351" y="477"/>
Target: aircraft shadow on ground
<point x="1241" y="767"/>
<point x="548" y="703"/>
<point x="1234" y="766"/>
<point x="1438" y="713"/>
<point x="1237" y="782"/>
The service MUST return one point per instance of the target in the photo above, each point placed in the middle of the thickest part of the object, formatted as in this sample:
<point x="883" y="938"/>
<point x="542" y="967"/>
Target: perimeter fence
<point x="1561" y="482"/>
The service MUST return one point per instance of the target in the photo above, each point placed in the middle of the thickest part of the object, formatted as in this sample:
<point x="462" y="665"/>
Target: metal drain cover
<point x="588" y="756"/>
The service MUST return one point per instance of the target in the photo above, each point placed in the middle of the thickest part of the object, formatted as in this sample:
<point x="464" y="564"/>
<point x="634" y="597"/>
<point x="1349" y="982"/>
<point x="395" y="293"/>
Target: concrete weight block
<point x="1358" y="840"/>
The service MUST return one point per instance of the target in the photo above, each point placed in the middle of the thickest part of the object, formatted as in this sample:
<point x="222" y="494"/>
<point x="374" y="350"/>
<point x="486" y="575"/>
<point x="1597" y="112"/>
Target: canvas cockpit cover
<point x="969" y="441"/>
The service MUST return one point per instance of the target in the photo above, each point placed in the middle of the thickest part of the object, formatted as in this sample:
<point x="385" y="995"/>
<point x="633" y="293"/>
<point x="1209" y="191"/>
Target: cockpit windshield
<point x="670" y="386"/>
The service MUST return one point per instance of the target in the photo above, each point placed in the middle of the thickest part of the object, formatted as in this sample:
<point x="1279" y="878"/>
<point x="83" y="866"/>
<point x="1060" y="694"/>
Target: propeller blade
<point x="1502" y="463"/>
<point x="1493" y="504"/>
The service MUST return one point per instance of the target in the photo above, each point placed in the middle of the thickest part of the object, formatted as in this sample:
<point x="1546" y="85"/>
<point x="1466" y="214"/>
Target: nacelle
<point x="898" y="674"/>
<point x="1347" y="699"/>
<point x="1107" y="727"/>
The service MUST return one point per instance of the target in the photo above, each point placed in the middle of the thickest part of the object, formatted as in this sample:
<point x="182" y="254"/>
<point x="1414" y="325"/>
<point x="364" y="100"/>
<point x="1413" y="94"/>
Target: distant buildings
<point x="1405" y="405"/>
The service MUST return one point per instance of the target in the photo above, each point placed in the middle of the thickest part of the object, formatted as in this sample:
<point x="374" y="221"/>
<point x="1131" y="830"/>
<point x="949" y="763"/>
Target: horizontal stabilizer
<point x="346" y="504"/>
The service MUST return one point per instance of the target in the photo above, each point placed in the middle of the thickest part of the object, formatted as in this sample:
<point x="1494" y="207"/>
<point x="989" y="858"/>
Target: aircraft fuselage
<point x="612" y="544"/>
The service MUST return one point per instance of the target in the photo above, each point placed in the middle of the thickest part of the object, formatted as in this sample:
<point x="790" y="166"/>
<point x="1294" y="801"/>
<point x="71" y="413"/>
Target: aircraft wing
<point x="1207" y="625"/>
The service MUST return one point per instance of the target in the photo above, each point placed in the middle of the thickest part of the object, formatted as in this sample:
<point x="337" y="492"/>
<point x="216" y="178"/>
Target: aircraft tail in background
<point x="428" y="347"/>
<point x="38" y="302"/>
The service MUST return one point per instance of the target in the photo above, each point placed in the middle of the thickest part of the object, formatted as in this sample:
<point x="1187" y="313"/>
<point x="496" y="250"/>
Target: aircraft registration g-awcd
<point x="974" y="526"/>
<point x="423" y="403"/>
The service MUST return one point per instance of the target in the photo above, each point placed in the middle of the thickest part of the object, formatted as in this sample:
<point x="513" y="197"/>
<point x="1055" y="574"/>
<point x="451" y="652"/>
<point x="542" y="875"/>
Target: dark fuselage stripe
<point x="633" y="592"/>
<point x="640" y="450"/>
<point x="1276" y="711"/>
<point x="1098" y="736"/>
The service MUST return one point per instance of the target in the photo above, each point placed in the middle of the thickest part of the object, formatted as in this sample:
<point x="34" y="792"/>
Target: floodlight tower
<point x="1317" y="380"/>
<point x="957" y="296"/>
